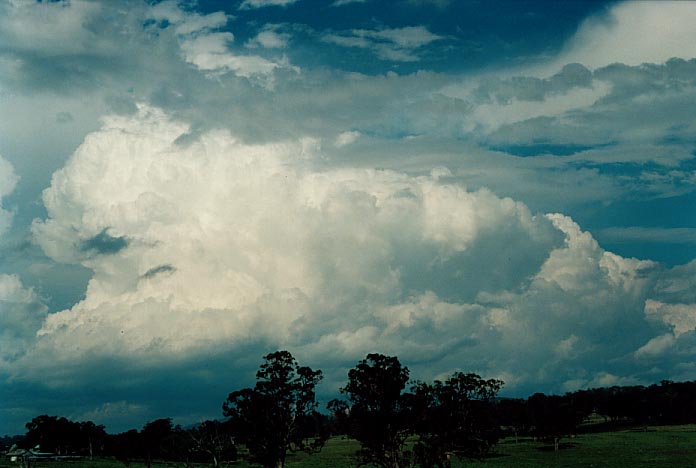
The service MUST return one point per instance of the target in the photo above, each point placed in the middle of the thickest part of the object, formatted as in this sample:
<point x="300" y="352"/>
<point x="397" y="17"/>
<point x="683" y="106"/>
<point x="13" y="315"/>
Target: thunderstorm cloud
<point x="185" y="187"/>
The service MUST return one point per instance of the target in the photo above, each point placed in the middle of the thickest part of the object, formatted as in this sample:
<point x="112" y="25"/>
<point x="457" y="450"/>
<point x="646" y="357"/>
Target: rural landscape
<point x="456" y="423"/>
<point x="346" y="233"/>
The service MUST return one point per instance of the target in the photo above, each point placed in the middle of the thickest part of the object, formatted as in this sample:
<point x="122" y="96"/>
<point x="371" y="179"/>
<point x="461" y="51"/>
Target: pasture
<point x="666" y="446"/>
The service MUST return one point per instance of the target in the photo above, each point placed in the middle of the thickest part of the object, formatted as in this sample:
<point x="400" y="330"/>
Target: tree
<point x="93" y="436"/>
<point x="125" y="446"/>
<point x="513" y="416"/>
<point x="53" y="434"/>
<point x="377" y="415"/>
<point x="158" y="440"/>
<point x="214" y="440"/>
<point x="279" y="414"/>
<point x="455" y="418"/>
<point x="553" y="417"/>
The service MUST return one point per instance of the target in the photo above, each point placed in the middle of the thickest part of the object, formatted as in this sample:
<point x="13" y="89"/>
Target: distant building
<point x="25" y="456"/>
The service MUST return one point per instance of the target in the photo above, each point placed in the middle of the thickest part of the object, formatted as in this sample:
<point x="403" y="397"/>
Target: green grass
<point x="673" y="446"/>
<point x="670" y="446"/>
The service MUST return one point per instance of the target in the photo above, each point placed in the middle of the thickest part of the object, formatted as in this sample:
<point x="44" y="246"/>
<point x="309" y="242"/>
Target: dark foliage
<point x="378" y="415"/>
<point x="7" y="442"/>
<point x="458" y="417"/>
<point x="62" y="436"/>
<point x="125" y="446"/>
<point x="211" y="442"/>
<point x="160" y="440"/>
<point x="554" y="417"/>
<point x="454" y="418"/>
<point x="664" y="403"/>
<point x="279" y="414"/>
<point x="513" y="416"/>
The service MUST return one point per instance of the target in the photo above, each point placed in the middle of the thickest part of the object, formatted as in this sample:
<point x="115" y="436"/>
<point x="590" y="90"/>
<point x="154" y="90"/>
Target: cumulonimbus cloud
<point x="223" y="242"/>
<point x="253" y="242"/>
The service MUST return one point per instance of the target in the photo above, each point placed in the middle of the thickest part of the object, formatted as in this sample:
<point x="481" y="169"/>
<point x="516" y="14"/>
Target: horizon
<point x="322" y="406"/>
<point x="500" y="188"/>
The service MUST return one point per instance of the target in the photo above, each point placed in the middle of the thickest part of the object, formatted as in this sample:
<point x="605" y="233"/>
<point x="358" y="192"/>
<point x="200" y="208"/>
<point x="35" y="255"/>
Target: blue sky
<point x="504" y="188"/>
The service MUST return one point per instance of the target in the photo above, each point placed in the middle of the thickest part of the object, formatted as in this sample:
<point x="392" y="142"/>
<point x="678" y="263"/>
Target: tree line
<point x="397" y="422"/>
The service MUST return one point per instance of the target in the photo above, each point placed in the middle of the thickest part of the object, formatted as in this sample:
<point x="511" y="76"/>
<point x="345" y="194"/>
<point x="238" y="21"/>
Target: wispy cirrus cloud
<point x="339" y="3"/>
<point x="254" y="4"/>
<point x="394" y="44"/>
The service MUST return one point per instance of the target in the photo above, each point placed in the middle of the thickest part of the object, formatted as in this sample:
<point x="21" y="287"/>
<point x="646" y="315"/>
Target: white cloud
<point x="493" y="116"/>
<point x="560" y="329"/>
<point x="229" y="242"/>
<point x="21" y="315"/>
<point x="408" y="37"/>
<point x="395" y="44"/>
<point x="187" y="22"/>
<point x="339" y="3"/>
<point x="253" y="4"/>
<point x="210" y="53"/>
<point x="656" y="346"/>
<point x="208" y="49"/>
<point x="218" y="243"/>
<point x="64" y="28"/>
<point x="8" y="181"/>
<point x="346" y="138"/>
<point x="680" y="317"/>
<point x="605" y="379"/>
<point x="251" y="245"/>
<point x="269" y="38"/>
<point x="111" y="410"/>
<point x="634" y="33"/>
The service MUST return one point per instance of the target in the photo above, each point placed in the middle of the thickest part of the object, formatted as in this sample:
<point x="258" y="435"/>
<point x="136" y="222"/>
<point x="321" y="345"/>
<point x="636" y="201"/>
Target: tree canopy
<point x="454" y="418"/>
<point x="377" y="415"/>
<point x="279" y="413"/>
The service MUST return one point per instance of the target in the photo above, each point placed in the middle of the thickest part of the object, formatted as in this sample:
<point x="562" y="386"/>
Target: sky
<point x="506" y="188"/>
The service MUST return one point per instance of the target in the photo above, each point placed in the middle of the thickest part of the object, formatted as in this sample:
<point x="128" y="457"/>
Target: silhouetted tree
<point x="92" y="437"/>
<point x="53" y="434"/>
<point x="279" y="414"/>
<point x="213" y="440"/>
<point x="125" y="446"/>
<point x="158" y="440"/>
<point x="513" y="416"/>
<point x="377" y="414"/>
<point x="455" y="418"/>
<point x="553" y="417"/>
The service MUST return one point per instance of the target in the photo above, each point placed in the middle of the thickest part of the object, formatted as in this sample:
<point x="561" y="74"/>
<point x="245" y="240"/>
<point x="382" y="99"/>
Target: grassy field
<point x="670" y="446"/>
